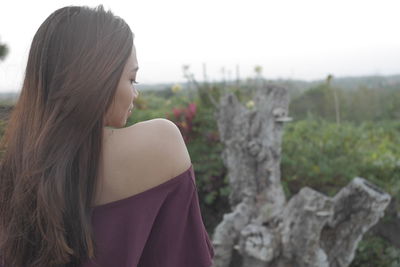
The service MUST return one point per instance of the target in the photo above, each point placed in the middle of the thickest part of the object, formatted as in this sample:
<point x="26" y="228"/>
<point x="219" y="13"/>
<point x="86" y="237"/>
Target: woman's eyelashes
<point x="133" y="81"/>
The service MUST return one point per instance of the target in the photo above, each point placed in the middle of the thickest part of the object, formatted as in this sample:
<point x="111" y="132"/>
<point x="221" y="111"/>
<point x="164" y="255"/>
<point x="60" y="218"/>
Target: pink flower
<point x="192" y="108"/>
<point x="177" y="112"/>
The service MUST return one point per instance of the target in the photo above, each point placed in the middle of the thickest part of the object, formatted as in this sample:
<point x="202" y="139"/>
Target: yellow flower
<point x="250" y="104"/>
<point x="176" y="88"/>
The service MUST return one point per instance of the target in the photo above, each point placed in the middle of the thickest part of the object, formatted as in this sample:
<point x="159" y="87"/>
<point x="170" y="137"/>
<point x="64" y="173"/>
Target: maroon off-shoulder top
<point x="160" y="227"/>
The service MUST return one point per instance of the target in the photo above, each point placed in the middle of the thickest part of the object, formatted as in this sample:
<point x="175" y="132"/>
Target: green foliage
<point x="205" y="150"/>
<point x="3" y="51"/>
<point x="317" y="101"/>
<point x="3" y="125"/>
<point x="327" y="156"/>
<point x="374" y="251"/>
<point x="156" y="104"/>
<point x="361" y="104"/>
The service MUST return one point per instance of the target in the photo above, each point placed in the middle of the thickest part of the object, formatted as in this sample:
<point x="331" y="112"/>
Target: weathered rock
<point x="311" y="229"/>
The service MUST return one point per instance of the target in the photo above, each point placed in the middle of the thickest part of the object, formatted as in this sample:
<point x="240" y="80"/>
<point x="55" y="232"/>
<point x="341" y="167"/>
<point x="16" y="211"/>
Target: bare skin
<point x="140" y="157"/>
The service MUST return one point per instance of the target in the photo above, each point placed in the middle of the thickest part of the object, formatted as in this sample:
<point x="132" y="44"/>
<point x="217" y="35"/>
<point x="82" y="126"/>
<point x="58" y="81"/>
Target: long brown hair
<point x="52" y="146"/>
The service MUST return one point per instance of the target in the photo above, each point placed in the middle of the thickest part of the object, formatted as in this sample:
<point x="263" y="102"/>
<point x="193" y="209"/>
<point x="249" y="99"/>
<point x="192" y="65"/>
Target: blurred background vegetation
<point x="342" y="128"/>
<point x="3" y="51"/>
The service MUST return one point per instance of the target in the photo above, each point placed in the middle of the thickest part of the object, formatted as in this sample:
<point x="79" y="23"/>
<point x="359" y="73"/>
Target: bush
<point x="327" y="156"/>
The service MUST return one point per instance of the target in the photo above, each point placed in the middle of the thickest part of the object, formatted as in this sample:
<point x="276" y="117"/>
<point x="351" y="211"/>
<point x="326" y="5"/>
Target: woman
<point x="77" y="188"/>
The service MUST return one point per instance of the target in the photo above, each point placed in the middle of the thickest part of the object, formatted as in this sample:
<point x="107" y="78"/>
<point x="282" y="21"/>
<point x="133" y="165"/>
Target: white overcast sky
<point x="298" y="39"/>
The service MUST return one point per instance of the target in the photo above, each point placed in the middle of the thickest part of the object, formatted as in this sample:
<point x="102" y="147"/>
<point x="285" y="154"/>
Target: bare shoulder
<point x="160" y="143"/>
<point x="139" y="157"/>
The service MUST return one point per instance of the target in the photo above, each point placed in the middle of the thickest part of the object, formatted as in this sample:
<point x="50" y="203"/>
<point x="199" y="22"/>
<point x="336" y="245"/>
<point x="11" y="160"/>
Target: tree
<point x="337" y="107"/>
<point x="3" y="51"/>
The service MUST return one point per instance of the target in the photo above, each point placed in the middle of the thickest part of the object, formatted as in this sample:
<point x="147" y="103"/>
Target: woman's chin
<point x="126" y="119"/>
